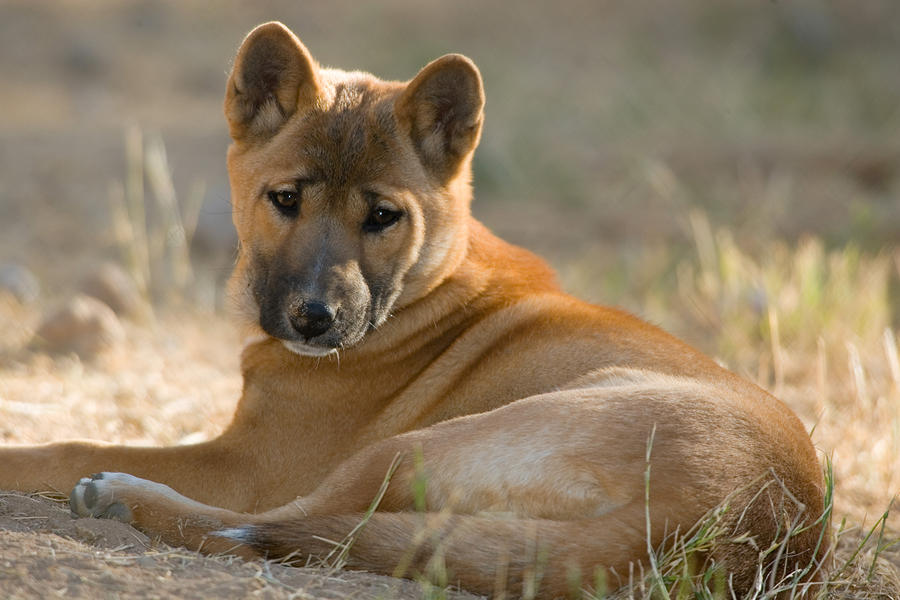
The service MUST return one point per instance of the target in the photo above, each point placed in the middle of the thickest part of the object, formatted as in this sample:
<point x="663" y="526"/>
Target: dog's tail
<point x="493" y="555"/>
<point x="487" y="555"/>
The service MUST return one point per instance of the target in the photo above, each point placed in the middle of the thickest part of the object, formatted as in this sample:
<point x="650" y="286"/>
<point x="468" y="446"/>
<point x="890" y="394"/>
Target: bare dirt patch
<point x="45" y="553"/>
<point x="22" y="514"/>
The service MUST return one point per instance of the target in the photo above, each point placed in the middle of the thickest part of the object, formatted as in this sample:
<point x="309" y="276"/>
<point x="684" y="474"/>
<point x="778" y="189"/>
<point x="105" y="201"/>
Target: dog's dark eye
<point x="381" y="218"/>
<point x="286" y="201"/>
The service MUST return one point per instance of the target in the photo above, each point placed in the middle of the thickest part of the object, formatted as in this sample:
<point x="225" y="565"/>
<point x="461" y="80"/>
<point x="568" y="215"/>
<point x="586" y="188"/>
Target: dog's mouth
<point x="316" y="324"/>
<point x="329" y="342"/>
<point x="344" y="331"/>
<point x="306" y="349"/>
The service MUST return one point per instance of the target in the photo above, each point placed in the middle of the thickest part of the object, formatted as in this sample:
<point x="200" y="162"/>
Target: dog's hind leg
<point x="530" y="475"/>
<point x="529" y="458"/>
<point x="572" y="479"/>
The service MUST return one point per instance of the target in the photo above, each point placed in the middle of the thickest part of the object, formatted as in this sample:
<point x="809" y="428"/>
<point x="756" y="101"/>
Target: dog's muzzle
<point x="311" y="319"/>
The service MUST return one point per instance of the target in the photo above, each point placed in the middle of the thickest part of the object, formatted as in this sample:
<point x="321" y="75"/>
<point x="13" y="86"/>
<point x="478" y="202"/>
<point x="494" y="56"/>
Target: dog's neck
<point x="489" y="274"/>
<point x="302" y="390"/>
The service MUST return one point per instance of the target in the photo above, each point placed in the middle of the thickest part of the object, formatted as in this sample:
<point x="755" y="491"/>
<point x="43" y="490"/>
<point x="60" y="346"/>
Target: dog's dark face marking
<point x="350" y="202"/>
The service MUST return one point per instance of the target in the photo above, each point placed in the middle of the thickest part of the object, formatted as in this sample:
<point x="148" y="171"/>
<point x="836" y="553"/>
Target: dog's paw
<point x="103" y="495"/>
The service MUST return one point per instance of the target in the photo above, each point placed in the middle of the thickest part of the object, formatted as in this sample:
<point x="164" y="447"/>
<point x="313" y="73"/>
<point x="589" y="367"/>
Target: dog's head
<point x="350" y="194"/>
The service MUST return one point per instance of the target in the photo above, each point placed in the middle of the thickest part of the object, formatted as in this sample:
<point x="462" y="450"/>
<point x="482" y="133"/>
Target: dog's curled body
<point x="535" y="438"/>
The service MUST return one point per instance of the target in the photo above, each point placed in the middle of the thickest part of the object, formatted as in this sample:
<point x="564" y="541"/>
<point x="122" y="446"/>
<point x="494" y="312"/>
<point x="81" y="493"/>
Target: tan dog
<point x="543" y="434"/>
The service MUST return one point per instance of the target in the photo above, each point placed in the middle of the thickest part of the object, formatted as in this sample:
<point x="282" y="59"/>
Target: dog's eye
<point x="286" y="201"/>
<point x="381" y="218"/>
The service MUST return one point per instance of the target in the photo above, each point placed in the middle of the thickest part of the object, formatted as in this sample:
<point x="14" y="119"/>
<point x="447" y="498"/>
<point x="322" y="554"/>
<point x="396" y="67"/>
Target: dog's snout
<point x="312" y="318"/>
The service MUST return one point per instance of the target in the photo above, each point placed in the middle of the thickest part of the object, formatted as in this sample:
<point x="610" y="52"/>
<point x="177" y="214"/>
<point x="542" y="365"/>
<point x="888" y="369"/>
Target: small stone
<point x="20" y="282"/>
<point x="115" y="288"/>
<point x="83" y="325"/>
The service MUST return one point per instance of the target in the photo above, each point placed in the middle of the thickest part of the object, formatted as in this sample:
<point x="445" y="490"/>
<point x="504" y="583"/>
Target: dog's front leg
<point x="219" y="471"/>
<point x="160" y="511"/>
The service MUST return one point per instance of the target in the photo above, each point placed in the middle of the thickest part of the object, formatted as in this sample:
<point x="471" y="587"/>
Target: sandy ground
<point x="45" y="553"/>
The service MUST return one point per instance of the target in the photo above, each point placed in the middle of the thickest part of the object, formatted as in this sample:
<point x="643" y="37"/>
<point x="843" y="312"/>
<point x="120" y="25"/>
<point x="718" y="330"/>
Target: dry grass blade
<point x="890" y="350"/>
<point x="154" y="239"/>
<point x="337" y="558"/>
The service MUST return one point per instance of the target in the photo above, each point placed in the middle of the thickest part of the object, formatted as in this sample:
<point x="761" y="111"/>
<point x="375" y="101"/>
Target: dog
<point x="425" y="388"/>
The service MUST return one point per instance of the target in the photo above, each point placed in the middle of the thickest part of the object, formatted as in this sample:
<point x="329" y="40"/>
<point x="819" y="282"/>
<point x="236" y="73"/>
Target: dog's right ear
<point x="273" y="76"/>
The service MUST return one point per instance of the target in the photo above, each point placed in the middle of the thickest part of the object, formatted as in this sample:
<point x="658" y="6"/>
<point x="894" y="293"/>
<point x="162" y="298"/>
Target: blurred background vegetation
<point x="607" y="122"/>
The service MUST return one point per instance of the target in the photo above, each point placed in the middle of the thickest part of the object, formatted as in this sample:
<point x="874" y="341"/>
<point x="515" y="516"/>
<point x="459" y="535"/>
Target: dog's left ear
<point x="273" y="76"/>
<point x="442" y="110"/>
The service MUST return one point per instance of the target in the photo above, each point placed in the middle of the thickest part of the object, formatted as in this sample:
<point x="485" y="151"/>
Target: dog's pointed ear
<point x="273" y="76"/>
<point x="442" y="109"/>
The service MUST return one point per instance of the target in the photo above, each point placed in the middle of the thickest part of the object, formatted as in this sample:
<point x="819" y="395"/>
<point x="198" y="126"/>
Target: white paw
<point x="104" y="495"/>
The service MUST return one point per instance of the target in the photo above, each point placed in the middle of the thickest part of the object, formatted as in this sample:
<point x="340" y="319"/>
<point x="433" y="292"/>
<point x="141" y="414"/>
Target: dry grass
<point x="175" y="379"/>
<point x="814" y="325"/>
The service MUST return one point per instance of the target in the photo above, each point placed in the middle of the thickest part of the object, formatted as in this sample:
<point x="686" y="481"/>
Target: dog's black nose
<point x="312" y="318"/>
